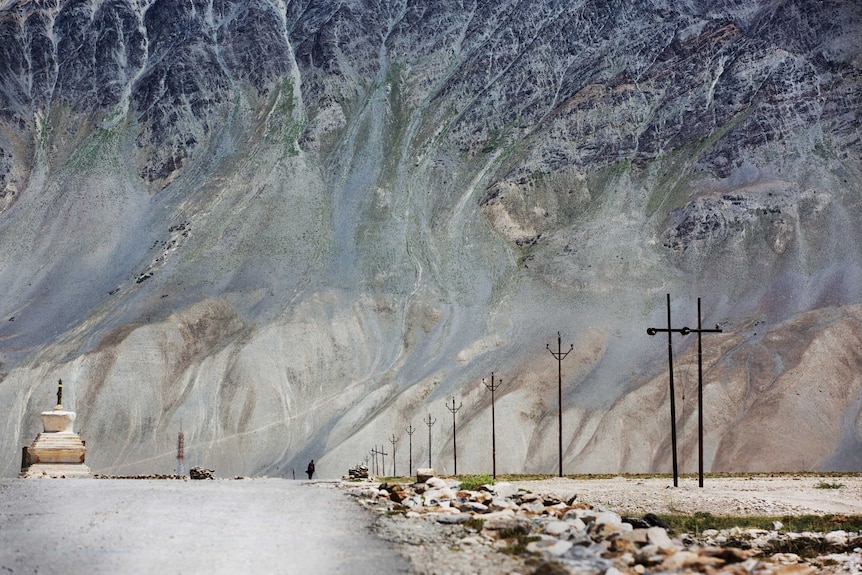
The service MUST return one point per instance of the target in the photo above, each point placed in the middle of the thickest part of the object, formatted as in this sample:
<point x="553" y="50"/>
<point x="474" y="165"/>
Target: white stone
<point x="501" y="505"/>
<point x="533" y="507"/>
<point x="504" y="490"/>
<point x="658" y="536"/>
<point x="576" y="522"/>
<point x="608" y="517"/>
<point x="435" y="482"/>
<point x="838" y="538"/>
<point x="556" y="528"/>
<point x="554" y="547"/>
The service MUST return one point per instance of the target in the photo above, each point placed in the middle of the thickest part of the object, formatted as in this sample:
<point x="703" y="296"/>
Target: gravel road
<point x="149" y="526"/>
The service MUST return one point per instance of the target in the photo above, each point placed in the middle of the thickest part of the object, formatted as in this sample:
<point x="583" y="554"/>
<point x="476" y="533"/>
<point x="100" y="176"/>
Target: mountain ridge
<point x="294" y="227"/>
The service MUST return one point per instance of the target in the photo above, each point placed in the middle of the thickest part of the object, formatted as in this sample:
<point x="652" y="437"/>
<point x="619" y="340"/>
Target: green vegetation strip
<point x="698" y="522"/>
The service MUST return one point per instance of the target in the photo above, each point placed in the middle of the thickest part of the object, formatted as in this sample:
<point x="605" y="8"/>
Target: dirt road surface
<point x="71" y="526"/>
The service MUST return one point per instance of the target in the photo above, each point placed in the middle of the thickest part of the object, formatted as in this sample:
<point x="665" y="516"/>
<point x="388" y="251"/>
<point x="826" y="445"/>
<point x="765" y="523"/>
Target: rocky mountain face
<point x="293" y="229"/>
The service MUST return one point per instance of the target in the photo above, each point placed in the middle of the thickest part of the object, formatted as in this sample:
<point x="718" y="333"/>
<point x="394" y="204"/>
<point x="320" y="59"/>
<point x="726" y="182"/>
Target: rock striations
<point x="294" y="228"/>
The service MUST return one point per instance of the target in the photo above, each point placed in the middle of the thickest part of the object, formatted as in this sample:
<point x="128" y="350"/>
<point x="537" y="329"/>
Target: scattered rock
<point x="358" y="472"/>
<point x="423" y="474"/>
<point x="201" y="473"/>
<point x="555" y="535"/>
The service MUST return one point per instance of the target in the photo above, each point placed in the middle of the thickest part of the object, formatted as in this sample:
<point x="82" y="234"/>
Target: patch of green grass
<point x="474" y="482"/>
<point x="475" y="523"/>
<point x="391" y="480"/>
<point x="828" y="485"/>
<point x="519" y="537"/>
<point x="700" y="521"/>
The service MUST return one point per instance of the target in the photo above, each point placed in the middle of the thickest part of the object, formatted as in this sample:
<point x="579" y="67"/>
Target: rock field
<point x="594" y="526"/>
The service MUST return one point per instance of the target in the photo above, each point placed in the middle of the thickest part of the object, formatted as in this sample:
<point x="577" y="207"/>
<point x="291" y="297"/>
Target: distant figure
<point x="310" y="469"/>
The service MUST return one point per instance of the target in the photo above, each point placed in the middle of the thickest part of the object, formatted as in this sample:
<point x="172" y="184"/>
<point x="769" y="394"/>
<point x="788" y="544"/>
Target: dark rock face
<point x="178" y="64"/>
<point x="406" y="192"/>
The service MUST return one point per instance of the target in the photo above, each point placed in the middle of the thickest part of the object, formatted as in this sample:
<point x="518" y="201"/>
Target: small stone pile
<point x="358" y="472"/>
<point x="151" y="476"/>
<point x="201" y="473"/>
<point x="573" y="537"/>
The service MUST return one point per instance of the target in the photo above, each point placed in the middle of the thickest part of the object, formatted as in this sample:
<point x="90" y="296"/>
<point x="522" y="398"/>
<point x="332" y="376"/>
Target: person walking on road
<point x="310" y="469"/>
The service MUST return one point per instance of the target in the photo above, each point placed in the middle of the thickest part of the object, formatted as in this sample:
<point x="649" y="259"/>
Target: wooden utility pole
<point x="383" y="455"/>
<point x="454" y="410"/>
<point x="393" y="441"/>
<point x="410" y="431"/>
<point x="669" y="330"/>
<point x="429" y="423"/>
<point x="560" y="356"/>
<point x="700" y="331"/>
<point x="493" y="387"/>
<point x="685" y="331"/>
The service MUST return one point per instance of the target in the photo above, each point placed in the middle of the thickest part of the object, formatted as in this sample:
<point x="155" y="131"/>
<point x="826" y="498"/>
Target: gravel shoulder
<point x="434" y="546"/>
<point x="743" y="495"/>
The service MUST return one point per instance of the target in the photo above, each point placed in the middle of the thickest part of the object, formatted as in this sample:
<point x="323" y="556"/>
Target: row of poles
<point x="560" y="355"/>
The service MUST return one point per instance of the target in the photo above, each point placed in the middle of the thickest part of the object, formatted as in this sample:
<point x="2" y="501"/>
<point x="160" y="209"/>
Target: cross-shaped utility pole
<point x="393" y="441"/>
<point x="560" y="356"/>
<point x="685" y="331"/>
<point x="454" y="410"/>
<point x="493" y="387"/>
<point x="375" y="453"/>
<point x="429" y="423"/>
<point x="410" y="431"/>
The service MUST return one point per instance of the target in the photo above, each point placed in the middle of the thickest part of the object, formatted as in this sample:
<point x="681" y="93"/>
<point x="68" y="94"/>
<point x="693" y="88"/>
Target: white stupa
<point x="58" y="451"/>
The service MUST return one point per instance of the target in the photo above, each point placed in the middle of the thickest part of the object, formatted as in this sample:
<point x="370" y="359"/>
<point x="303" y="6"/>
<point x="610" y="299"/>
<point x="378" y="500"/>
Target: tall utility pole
<point x="375" y="453"/>
<point x="686" y="331"/>
<point x="669" y="330"/>
<point x="493" y="387"/>
<point x="383" y="455"/>
<point x="560" y="356"/>
<point x="700" y="331"/>
<point x="393" y="441"/>
<point x="410" y="431"/>
<point x="454" y="410"/>
<point x="429" y="423"/>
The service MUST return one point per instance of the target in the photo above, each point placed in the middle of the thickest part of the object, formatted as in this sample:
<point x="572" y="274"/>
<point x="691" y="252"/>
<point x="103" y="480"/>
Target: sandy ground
<point x="747" y="495"/>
